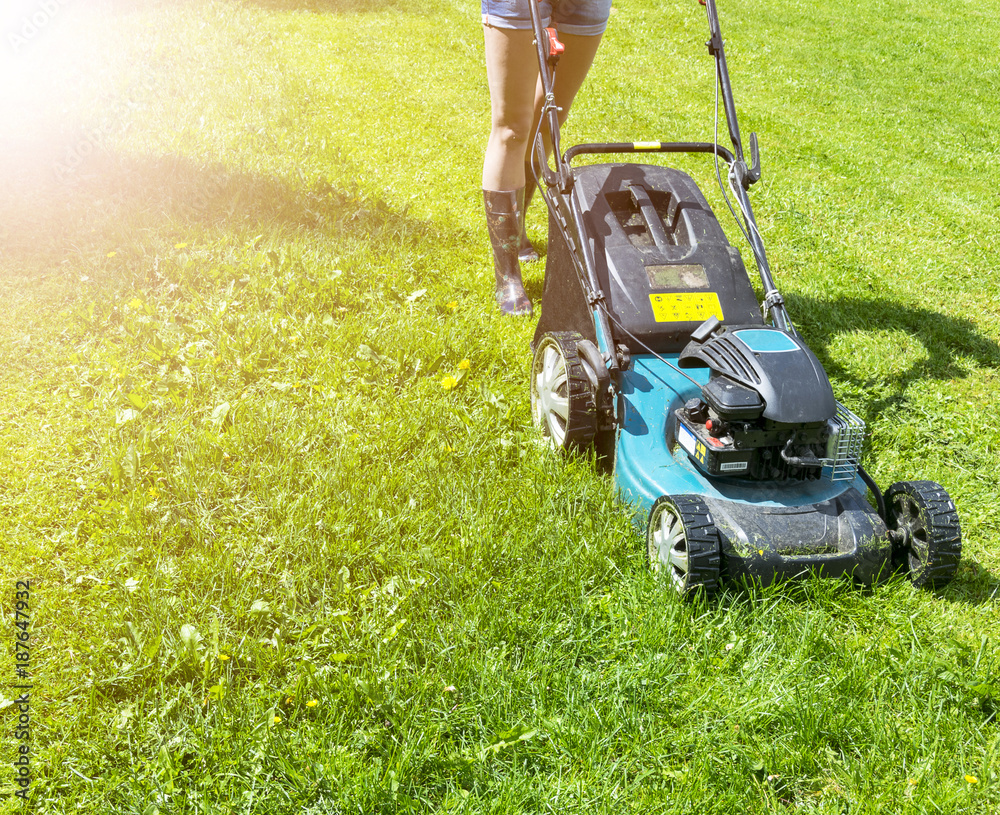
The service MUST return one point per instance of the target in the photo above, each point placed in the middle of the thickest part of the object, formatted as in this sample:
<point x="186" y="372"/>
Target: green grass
<point x="278" y="567"/>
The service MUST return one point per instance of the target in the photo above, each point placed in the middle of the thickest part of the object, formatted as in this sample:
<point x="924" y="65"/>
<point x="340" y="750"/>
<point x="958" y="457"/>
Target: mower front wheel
<point x="563" y="403"/>
<point x="923" y="524"/>
<point x="682" y="544"/>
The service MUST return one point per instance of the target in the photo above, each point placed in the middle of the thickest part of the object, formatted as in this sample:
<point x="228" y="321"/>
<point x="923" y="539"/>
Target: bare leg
<point x="516" y="97"/>
<point x="572" y="70"/>
<point x="512" y="74"/>
<point x="570" y="74"/>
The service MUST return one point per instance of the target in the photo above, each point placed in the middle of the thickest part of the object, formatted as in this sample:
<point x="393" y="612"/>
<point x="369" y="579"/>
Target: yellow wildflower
<point x="312" y="703"/>
<point x="972" y="779"/>
<point x="453" y="305"/>
<point x="180" y="245"/>
<point x="464" y="365"/>
<point x="449" y="383"/>
<point x="112" y="254"/>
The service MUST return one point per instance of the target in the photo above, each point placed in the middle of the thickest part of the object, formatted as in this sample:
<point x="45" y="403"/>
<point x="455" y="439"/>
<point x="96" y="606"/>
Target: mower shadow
<point x="974" y="586"/>
<point x="946" y="340"/>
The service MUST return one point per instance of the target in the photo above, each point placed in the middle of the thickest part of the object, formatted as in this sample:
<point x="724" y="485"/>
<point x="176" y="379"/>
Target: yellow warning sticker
<point x="685" y="307"/>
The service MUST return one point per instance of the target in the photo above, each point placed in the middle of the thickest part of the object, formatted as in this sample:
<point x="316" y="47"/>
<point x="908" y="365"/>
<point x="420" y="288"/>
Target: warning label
<point x="685" y="307"/>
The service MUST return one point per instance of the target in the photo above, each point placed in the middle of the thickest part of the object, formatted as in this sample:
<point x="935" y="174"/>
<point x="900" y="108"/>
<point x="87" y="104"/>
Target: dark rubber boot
<point x="504" y="223"/>
<point x="525" y="251"/>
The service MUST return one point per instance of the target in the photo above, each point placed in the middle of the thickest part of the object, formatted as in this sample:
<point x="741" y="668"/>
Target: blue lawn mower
<point x="719" y="424"/>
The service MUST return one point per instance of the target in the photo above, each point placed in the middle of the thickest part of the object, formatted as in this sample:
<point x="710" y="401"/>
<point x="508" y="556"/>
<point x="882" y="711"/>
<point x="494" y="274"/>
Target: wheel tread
<point x="581" y="423"/>
<point x="704" y="560"/>
<point x="939" y="517"/>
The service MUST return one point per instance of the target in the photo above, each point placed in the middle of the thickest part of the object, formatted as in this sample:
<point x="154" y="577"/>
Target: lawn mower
<point x="719" y="424"/>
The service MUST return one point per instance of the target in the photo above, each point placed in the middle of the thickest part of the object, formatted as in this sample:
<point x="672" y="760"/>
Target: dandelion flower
<point x="223" y="657"/>
<point x="277" y="720"/>
<point x="449" y="383"/>
<point x="180" y="245"/>
<point x="112" y="254"/>
<point x="972" y="779"/>
<point x="911" y="781"/>
<point x="464" y="365"/>
<point x="312" y="703"/>
<point x="453" y="305"/>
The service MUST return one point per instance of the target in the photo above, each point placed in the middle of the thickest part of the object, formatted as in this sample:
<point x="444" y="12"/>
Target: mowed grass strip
<point x="266" y="454"/>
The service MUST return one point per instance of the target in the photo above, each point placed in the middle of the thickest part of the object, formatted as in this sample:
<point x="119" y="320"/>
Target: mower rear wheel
<point x="923" y="520"/>
<point x="563" y="404"/>
<point x="682" y="544"/>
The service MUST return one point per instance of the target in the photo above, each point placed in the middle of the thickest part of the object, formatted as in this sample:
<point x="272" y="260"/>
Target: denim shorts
<point x="584" y="17"/>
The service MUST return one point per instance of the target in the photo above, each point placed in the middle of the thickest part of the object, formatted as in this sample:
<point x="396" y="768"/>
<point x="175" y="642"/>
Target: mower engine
<point x="767" y="412"/>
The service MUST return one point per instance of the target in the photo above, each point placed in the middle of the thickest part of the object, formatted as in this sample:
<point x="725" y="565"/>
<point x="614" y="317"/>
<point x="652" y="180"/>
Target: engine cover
<point x="777" y="365"/>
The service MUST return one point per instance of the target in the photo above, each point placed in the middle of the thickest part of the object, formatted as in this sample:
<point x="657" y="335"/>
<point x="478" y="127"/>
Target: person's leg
<point x="572" y="70"/>
<point x="570" y="74"/>
<point x="511" y="74"/>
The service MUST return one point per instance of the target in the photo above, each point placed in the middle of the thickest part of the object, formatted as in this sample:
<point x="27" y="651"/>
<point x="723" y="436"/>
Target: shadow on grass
<point x="975" y="585"/>
<point x="112" y="198"/>
<point x="328" y="6"/>
<point x="947" y="341"/>
<point x="214" y="195"/>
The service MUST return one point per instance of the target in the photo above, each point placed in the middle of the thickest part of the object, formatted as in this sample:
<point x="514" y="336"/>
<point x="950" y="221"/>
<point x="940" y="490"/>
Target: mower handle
<point x="744" y="176"/>
<point x="649" y="147"/>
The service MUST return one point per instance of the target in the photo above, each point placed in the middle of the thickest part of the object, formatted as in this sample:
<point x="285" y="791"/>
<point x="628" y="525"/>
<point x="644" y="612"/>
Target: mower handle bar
<point x="649" y="147"/>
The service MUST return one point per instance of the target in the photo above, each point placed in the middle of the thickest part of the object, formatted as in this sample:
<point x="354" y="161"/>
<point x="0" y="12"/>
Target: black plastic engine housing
<point x="775" y="364"/>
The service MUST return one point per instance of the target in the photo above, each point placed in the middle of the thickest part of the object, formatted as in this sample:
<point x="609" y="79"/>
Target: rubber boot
<point x="525" y="251"/>
<point x="504" y="224"/>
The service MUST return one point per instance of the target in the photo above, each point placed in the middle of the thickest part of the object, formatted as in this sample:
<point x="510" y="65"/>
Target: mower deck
<point x="767" y="530"/>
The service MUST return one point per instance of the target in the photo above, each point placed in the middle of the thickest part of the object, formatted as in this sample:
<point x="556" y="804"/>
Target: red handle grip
<point x="555" y="47"/>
